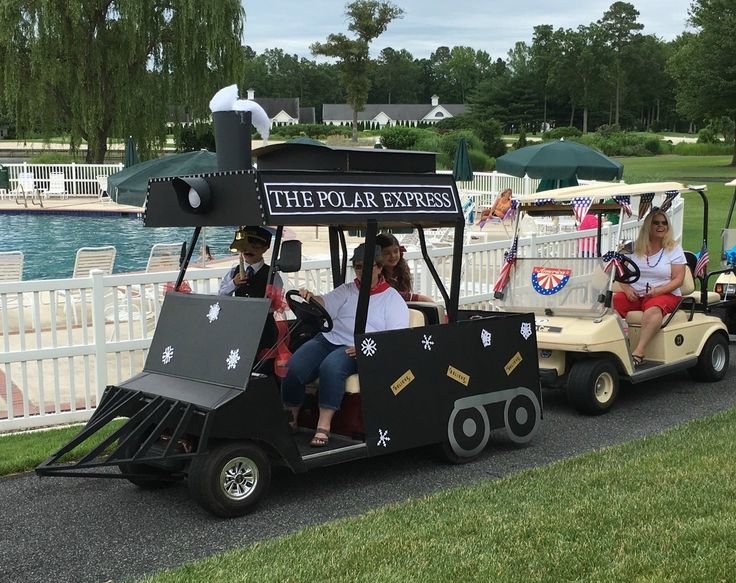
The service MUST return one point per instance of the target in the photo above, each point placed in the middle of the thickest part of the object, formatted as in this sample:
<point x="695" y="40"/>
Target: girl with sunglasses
<point x="662" y="263"/>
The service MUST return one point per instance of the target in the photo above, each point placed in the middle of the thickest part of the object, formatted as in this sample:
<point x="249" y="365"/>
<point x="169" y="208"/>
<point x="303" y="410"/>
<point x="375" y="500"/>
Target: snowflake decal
<point x="369" y="346"/>
<point x="428" y="342"/>
<point x="233" y="358"/>
<point x="214" y="312"/>
<point x="526" y="330"/>
<point x="167" y="355"/>
<point x="485" y="338"/>
<point x="383" y="438"/>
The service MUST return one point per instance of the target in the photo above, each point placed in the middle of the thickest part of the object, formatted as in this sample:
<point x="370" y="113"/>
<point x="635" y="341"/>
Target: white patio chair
<point x="11" y="265"/>
<point x="88" y="258"/>
<point x="26" y="186"/>
<point x="103" y="195"/>
<point x="57" y="187"/>
<point x="164" y="257"/>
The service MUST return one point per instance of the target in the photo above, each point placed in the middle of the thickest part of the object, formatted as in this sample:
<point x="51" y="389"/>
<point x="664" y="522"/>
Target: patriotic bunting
<point x="702" y="265"/>
<point x="625" y="203"/>
<point x="580" y="206"/>
<point x="508" y="263"/>
<point x="543" y="201"/>
<point x="669" y="196"/>
<point x="645" y="202"/>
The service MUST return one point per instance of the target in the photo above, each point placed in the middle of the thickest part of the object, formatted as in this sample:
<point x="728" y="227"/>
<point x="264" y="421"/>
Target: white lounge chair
<point x="11" y="266"/>
<point x="57" y="186"/>
<point x="164" y="257"/>
<point x="26" y="186"/>
<point x="103" y="195"/>
<point x="88" y="258"/>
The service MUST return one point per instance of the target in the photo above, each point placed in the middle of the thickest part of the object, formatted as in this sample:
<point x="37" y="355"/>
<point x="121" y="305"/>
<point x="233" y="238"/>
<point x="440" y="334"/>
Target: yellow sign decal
<point x="402" y="382"/>
<point x="513" y="363"/>
<point x="458" y="375"/>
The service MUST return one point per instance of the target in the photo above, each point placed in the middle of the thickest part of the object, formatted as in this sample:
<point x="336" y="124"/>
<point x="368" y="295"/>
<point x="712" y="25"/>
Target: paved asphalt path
<point x="92" y="530"/>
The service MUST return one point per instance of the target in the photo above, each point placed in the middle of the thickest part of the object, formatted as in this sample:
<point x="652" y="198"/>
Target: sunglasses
<point x="660" y="223"/>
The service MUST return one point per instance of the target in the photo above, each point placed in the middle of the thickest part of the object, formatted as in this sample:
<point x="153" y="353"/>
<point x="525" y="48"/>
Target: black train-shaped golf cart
<point x="200" y="409"/>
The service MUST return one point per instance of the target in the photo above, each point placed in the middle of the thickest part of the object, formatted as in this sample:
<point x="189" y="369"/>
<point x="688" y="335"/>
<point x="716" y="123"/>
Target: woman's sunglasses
<point x="660" y="223"/>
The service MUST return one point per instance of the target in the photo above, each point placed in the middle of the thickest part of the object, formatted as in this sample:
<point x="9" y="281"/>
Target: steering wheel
<point x="310" y="312"/>
<point x="631" y="272"/>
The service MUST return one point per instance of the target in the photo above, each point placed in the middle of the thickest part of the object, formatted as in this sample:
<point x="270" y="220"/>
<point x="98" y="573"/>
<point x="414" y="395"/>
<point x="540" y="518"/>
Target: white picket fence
<point x="63" y="341"/>
<point x="79" y="179"/>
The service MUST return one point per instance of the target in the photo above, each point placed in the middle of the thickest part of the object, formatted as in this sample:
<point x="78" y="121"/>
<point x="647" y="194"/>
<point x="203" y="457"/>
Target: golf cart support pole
<point x="187" y="259"/>
<point x="704" y="279"/>
<point x="365" y="290"/>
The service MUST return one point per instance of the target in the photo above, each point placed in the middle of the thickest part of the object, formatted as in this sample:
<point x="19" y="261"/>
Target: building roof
<point x="275" y="105"/>
<point x="307" y="115"/>
<point x="415" y="111"/>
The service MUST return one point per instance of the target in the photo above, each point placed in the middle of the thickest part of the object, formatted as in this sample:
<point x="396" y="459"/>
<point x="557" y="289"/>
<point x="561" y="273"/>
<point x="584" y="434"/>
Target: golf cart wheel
<point x="231" y="479"/>
<point x="468" y="431"/>
<point x="148" y="477"/>
<point x="592" y="385"/>
<point x="713" y="360"/>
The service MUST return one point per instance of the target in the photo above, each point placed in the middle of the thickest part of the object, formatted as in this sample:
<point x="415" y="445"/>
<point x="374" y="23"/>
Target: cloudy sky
<point x="490" y="25"/>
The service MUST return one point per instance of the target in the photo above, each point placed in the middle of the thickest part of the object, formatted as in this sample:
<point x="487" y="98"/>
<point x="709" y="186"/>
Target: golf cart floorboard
<point x="653" y="369"/>
<point x="340" y="448"/>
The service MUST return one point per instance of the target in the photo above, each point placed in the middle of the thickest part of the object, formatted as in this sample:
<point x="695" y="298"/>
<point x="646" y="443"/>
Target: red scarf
<point x="381" y="285"/>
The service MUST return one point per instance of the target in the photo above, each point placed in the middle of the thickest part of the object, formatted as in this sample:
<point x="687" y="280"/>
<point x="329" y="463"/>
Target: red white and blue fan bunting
<point x="508" y="263"/>
<point x="645" y="202"/>
<point x="549" y="280"/>
<point x="581" y="206"/>
<point x="624" y="201"/>
<point x="669" y="196"/>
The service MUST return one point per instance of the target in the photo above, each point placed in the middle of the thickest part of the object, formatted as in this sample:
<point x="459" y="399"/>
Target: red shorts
<point x="665" y="302"/>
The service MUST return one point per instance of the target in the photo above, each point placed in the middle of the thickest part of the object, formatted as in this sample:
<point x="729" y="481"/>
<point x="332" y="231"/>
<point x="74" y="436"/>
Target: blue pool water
<point x="50" y="242"/>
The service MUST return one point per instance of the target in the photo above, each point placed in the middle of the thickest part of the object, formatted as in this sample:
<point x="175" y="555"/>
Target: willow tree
<point x="368" y="19"/>
<point x="105" y="68"/>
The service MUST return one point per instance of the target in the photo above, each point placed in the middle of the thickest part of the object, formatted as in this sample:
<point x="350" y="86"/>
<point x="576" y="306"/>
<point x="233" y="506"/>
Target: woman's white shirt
<point x="657" y="271"/>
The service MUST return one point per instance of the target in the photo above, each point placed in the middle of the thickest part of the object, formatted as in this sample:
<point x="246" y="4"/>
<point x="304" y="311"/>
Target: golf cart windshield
<point x="556" y="286"/>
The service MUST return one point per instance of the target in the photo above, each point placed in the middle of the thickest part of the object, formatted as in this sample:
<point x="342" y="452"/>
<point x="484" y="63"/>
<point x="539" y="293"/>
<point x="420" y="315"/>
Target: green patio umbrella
<point x="560" y="160"/>
<point x="131" y="156"/>
<point x="461" y="168"/>
<point x="129" y="186"/>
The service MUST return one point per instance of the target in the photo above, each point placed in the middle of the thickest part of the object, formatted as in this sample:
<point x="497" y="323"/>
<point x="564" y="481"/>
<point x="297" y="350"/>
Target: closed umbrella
<point x="131" y="156"/>
<point x="129" y="186"/>
<point x="560" y="160"/>
<point x="461" y="168"/>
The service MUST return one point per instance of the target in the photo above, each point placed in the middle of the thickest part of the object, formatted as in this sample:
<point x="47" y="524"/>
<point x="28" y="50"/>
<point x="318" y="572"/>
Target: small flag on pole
<point x="702" y="265"/>
<point x="503" y="277"/>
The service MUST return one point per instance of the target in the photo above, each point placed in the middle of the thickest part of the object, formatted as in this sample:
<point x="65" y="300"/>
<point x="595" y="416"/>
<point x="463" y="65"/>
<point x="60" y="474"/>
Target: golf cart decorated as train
<point x="584" y="345"/>
<point x="203" y="409"/>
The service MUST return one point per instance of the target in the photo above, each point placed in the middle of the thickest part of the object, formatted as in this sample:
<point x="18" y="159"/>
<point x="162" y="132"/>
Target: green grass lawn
<point x="659" y="509"/>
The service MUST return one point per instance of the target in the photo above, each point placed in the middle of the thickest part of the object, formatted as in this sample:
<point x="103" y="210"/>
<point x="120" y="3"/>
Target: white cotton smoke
<point x="224" y="99"/>
<point x="259" y="117"/>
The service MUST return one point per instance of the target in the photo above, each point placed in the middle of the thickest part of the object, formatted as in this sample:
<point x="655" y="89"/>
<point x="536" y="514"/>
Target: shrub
<point x="427" y="142"/>
<point x="53" y="158"/>
<point x="707" y="136"/>
<point x="562" y="132"/>
<point x="399" y="137"/>
<point x="448" y="142"/>
<point x="460" y="122"/>
<point x="480" y="161"/>
<point x="608" y="129"/>
<point x="491" y="133"/>
<point x="689" y="149"/>
<point x="521" y="142"/>
<point x="311" y="130"/>
<point x="195" y="137"/>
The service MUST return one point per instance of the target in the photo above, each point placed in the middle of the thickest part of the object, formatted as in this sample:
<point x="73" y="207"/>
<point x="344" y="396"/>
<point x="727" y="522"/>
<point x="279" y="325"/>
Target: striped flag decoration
<point x="702" y="265"/>
<point x="543" y="201"/>
<point x="508" y="263"/>
<point x="580" y="206"/>
<point x="625" y="203"/>
<point x="669" y="196"/>
<point x="645" y="202"/>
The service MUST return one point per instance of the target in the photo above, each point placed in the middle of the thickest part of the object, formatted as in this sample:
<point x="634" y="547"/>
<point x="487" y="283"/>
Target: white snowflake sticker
<point x="233" y="358"/>
<point x="168" y="355"/>
<point x="383" y="437"/>
<point x="485" y="338"/>
<point x="369" y="347"/>
<point x="428" y="342"/>
<point x="526" y="330"/>
<point x="214" y="312"/>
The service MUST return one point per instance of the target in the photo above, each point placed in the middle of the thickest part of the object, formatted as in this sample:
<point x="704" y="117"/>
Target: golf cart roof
<point x="600" y="190"/>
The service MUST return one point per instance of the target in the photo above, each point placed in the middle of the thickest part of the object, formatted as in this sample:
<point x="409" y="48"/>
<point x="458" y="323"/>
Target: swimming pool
<point x="50" y="242"/>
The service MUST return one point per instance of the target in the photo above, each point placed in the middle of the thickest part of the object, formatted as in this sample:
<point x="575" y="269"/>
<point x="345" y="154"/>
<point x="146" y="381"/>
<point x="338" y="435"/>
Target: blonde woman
<point x="657" y="292"/>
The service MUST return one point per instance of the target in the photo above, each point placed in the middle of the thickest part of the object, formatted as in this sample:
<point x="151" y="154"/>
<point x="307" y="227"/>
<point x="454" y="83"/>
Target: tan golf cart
<point x="584" y="345"/>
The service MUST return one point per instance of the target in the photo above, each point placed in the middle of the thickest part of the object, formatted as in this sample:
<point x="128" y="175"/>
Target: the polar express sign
<point x="303" y="198"/>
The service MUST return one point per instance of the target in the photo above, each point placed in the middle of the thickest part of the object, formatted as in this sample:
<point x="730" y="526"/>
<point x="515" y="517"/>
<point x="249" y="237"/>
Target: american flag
<point x="625" y="203"/>
<point x="645" y="201"/>
<point x="669" y="196"/>
<point x="581" y="205"/>
<point x="508" y="263"/>
<point x="702" y="265"/>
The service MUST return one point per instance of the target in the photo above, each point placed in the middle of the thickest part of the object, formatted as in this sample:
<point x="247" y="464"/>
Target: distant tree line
<point x="99" y="73"/>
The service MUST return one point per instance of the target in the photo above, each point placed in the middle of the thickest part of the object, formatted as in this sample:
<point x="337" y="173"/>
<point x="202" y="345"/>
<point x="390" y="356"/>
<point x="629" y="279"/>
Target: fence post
<point x="98" y="327"/>
<point x="494" y="182"/>
<point x="74" y="179"/>
<point x="527" y="184"/>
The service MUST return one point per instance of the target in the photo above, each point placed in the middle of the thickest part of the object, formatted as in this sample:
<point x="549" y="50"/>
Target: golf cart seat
<point x="692" y="261"/>
<point x="677" y="316"/>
